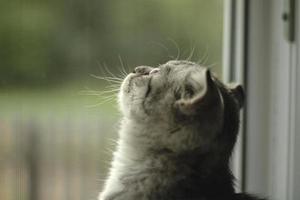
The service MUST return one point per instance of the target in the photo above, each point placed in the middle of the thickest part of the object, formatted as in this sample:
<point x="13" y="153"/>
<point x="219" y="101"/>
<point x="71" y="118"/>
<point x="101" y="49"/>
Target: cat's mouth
<point x="148" y="88"/>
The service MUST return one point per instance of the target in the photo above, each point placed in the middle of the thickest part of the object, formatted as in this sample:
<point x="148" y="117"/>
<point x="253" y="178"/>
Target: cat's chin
<point x="126" y="84"/>
<point x="125" y="95"/>
<point x="132" y="92"/>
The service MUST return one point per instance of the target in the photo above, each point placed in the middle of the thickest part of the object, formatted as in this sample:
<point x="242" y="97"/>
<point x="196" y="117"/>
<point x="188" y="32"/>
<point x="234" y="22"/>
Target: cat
<point x="179" y="127"/>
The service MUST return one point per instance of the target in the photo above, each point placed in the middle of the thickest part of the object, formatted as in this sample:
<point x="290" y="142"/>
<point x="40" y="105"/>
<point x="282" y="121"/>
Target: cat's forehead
<point x="180" y="69"/>
<point x="180" y="62"/>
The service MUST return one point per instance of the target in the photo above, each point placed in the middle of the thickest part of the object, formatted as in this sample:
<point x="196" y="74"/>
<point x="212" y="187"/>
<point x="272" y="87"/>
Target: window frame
<point x="271" y="166"/>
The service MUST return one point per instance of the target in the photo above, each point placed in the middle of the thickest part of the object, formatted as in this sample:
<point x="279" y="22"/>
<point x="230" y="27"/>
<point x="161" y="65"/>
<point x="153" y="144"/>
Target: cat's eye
<point x="189" y="91"/>
<point x="154" y="71"/>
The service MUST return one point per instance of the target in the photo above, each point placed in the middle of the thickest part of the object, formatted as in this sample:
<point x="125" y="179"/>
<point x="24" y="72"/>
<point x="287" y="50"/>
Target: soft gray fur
<point x="178" y="130"/>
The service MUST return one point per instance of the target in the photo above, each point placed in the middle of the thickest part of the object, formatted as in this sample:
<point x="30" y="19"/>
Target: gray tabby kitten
<point x="178" y="131"/>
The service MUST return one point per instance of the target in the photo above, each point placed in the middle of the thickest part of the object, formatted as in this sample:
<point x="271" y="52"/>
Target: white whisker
<point x="98" y="104"/>
<point x="204" y="57"/>
<point x="191" y="54"/>
<point x="108" y="79"/>
<point x="165" y="48"/>
<point x="123" y="70"/>
<point x="177" y="47"/>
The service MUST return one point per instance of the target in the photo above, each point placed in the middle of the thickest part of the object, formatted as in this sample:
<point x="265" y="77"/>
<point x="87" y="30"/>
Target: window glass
<point x="57" y="126"/>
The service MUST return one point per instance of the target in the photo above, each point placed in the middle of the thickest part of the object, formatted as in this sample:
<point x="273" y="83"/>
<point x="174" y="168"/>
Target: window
<point x="272" y="115"/>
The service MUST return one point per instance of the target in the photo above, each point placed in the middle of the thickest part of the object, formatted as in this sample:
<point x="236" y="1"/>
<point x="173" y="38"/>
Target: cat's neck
<point x="139" y="149"/>
<point x="136" y="139"/>
<point x="198" y="172"/>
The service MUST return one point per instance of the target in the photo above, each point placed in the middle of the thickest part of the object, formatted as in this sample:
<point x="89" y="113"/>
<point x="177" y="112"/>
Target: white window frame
<point x="266" y="160"/>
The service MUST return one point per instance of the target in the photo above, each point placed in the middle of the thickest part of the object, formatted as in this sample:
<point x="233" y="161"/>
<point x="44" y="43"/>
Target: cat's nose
<point x="143" y="70"/>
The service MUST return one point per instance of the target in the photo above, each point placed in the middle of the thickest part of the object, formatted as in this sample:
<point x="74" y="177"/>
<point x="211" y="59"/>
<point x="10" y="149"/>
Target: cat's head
<point x="182" y="102"/>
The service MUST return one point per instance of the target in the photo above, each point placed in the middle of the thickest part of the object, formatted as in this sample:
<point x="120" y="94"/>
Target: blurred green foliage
<point x="48" y="48"/>
<point x="50" y="42"/>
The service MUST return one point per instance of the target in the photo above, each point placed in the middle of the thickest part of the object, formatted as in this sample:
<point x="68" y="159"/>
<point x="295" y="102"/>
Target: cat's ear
<point x="238" y="92"/>
<point x="201" y="98"/>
